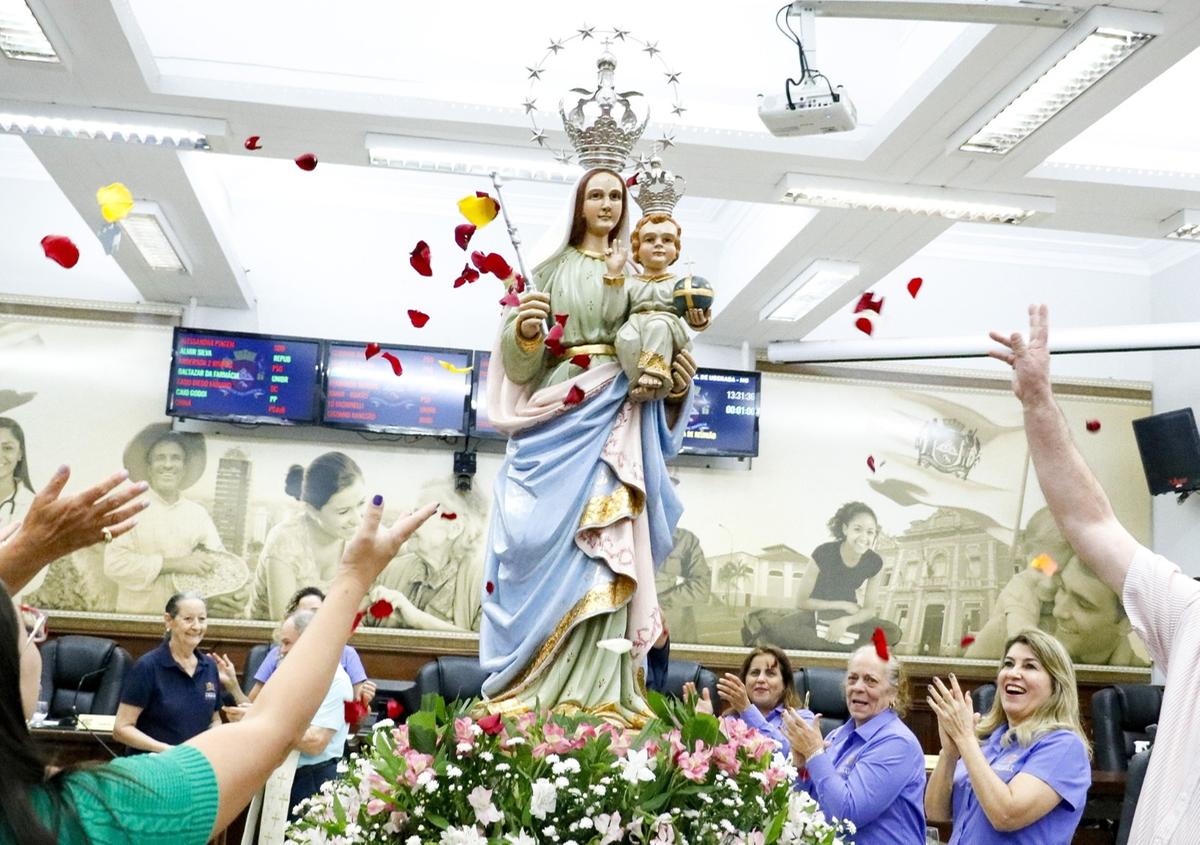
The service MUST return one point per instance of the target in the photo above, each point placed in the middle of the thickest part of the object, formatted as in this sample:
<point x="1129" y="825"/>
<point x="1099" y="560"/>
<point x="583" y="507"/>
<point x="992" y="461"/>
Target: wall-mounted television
<point x="243" y="378"/>
<point x="430" y="396"/>
<point x="481" y="426"/>
<point x="724" y="420"/>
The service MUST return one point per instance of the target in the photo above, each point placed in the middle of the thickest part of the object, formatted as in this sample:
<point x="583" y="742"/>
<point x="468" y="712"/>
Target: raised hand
<point x="956" y="718"/>
<point x="1030" y="360"/>
<point x="532" y="313"/>
<point x="804" y="737"/>
<point x="702" y="702"/>
<point x="374" y="545"/>
<point x="615" y="257"/>
<point x="733" y="691"/>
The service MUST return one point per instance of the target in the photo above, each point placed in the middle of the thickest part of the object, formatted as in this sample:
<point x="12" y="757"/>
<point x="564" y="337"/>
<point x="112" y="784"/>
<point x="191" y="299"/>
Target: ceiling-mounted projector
<point x="814" y="109"/>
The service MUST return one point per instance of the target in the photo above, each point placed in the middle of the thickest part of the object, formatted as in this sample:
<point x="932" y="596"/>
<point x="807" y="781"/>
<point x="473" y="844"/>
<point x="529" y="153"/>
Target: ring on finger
<point x="107" y="534"/>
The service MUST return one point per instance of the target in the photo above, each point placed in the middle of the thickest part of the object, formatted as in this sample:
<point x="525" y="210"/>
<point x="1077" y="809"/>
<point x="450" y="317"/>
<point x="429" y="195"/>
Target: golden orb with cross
<point x="691" y="292"/>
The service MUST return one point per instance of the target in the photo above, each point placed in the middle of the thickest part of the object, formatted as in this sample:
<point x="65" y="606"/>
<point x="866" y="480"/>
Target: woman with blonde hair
<point x="1021" y="773"/>
<point x="871" y="770"/>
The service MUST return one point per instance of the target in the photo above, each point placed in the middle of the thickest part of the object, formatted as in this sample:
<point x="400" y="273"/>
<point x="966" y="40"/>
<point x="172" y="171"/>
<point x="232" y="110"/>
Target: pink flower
<point x="395" y="822"/>
<point x="737" y="730"/>
<point x="415" y="763"/>
<point x="619" y="739"/>
<point x="526" y="720"/>
<point x="585" y="731"/>
<point x="726" y="758"/>
<point x="485" y="811"/>
<point x="555" y="741"/>
<point x="464" y="735"/>
<point x="675" y="740"/>
<point x="400" y="735"/>
<point x="694" y="766"/>
<point x="775" y="776"/>
<point x="376" y="806"/>
<point x="609" y="827"/>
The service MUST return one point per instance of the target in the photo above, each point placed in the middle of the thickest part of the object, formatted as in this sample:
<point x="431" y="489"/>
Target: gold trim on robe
<point x="600" y="511"/>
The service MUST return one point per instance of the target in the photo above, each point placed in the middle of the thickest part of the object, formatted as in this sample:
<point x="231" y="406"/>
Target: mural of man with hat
<point x="174" y="535"/>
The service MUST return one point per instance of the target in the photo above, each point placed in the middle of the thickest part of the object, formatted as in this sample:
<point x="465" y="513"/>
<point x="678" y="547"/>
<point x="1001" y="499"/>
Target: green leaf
<point x="437" y="820"/>
<point x="773" y="832"/>
<point x="703" y="727"/>
<point x="660" y="707"/>
<point x="422" y="731"/>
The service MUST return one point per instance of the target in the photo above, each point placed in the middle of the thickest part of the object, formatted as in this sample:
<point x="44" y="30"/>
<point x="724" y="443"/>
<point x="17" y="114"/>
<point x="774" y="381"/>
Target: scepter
<point x="513" y="235"/>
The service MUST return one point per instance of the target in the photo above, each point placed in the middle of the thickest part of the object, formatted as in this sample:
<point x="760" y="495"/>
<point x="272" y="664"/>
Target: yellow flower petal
<point x="115" y="202"/>
<point x="447" y="365"/>
<point x="478" y="210"/>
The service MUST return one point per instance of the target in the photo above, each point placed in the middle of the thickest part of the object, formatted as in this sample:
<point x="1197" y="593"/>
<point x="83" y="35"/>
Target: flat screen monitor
<point x="244" y="378"/>
<point x="430" y="395"/>
<point x="481" y="426"/>
<point x="724" y="420"/>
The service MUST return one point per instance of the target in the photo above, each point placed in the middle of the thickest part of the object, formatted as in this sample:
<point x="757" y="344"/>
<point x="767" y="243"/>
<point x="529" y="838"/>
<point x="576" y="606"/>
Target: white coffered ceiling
<point x="311" y="76"/>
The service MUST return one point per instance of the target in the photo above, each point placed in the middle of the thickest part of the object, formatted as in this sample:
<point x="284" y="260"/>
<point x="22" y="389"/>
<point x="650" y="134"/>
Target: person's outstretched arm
<point x="1075" y="497"/>
<point x="54" y="526"/>
<point x="286" y="706"/>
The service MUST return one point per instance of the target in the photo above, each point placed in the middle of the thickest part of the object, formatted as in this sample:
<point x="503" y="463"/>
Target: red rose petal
<point x="469" y="275"/>
<point x="371" y="351"/>
<point x="418" y="318"/>
<point x="583" y="361"/>
<point x="868" y="302"/>
<point x="354" y="711"/>
<point x="864" y="325"/>
<point x="966" y="641"/>
<point x="490" y="587"/>
<point x="871" y="462"/>
<point x="630" y="181"/>
<point x="394" y="361"/>
<point x="495" y="264"/>
<point x="881" y="646"/>
<point x="510" y="300"/>
<point x="561" y="319"/>
<point x="463" y="233"/>
<point x="451" y="515"/>
<point x="251" y="143"/>
<point x="358" y="618"/>
<point x="61" y="249"/>
<point x="519" y="284"/>
<point x="394" y="709"/>
<point x="308" y="161"/>
<point x="1093" y="426"/>
<point x="574" y="395"/>
<point x="381" y="609"/>
<point x="479" y="259"/>
<point x="492" y="724"/>
<point x="553" y="340"/>
<point x="419" y="259"/>
<point x="914" y="285"/>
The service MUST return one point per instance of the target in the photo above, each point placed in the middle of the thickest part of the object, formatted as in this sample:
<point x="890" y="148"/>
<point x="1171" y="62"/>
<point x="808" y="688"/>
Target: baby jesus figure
<point x="654" y="333"/>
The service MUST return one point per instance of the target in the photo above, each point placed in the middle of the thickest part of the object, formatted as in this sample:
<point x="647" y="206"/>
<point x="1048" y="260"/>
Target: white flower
<point x="485" y="811"/>
<point x="521" y="838"/>
<point x="637" y="765"/>
<point x="544" y="799"/>
<point x="413" y="840"/>
<point x="462" y="836"/>
<point x="561" y="767"/>
<point x="617" y="645"/>
<point x="561" y="782"/>
<point x="453" y="770"/>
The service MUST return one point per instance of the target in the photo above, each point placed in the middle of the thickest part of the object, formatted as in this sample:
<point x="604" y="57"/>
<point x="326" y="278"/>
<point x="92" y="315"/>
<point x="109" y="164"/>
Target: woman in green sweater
<point x="191" y="792"/>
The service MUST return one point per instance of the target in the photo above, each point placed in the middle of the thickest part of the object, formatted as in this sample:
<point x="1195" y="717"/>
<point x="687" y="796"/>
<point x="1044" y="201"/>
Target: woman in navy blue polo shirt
<point x="173" y="692"/>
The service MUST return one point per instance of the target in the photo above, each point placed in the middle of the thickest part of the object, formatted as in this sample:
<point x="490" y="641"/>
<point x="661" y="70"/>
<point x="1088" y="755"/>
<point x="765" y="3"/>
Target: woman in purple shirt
<point x="1021" y="775"/>
<point x="870" y="771"/>
<point x="759" y="695"/>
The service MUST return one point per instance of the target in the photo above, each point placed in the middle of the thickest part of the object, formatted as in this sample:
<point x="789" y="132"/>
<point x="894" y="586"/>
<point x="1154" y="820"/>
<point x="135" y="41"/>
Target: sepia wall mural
<point x="901" y="501"/>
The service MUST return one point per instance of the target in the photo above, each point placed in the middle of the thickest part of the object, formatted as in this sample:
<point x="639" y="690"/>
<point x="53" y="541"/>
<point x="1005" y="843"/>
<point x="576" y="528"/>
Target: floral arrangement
<point x="446" y="777"/>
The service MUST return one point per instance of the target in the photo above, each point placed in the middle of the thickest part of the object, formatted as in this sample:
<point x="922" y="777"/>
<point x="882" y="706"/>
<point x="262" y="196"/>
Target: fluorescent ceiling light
<point x="461" y="157"/>
<point x="950" y="203"/>
<point x="1085" y="53"/>
<point x="147" y="228"/>
<point x="814" y="285"/>
<point x="21" y="36"/>
<point x="1184" y="225"/>
<point x="187" y="133"/>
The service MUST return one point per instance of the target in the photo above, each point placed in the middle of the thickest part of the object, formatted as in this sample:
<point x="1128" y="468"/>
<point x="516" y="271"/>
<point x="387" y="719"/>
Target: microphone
<point x="73" y="719"/>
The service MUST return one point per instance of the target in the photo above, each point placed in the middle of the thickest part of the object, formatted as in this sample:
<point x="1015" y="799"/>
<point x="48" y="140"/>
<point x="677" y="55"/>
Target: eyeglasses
<point x="35" y="624"/>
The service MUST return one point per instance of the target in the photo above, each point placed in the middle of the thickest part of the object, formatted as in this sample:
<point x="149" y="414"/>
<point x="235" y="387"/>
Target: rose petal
<point x="561" y="319"/>
<point x="381" y="609"/>
<point x="864" y="325"/>
<point x="490" y="587"/>
<point x="510" y="300"/>
<point x="617" y="645"/>
<point x="881" y="645"/>
<point x="469" y="275"/>
<point x="966" y="641"/>
<point x="251" y="143"/>
<point x="307" y="161"/>
<point x="630" y="181"/>
<point x="480" y="209"/>
<point x="358" y="618"/>
<point x="463" y="233"/>
<point x="446" y="365"/>
<point x="371" y="351"/>
<point x="871" y="462"/>
<point x="519" y="284"/>
<point x="394" y="361"/>
<point x="354" y="711"/>
<point x="61" y="249"/>
<point x="478" y="258"/>
<point x="115" y="202"/>
<point x="574" y="395"/>
<point x="1093" y="426"/>
<point x="1044" y="564"/>
<point x="914" y="285"/>
<point x="497" y="266"/>
<point x="418" y="318"/>
<point x="419" y="259"/>
<point x="553" y="340"/>
<point x="451" y="515"/>
<point x="582" y="361"/>
<point x="868" y="302"/>
<point x="394" y="709"/>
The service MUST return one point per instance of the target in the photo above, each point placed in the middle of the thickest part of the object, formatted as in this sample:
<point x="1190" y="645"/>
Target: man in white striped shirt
<point x="1163" y="604"/>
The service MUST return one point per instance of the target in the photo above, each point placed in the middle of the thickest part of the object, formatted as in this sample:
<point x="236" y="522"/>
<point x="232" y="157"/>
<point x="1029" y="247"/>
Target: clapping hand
<point x="702" y="702"/>
<point x="804" y="737"/>
<point x="956" y="718"/>
<point x="733" y="691"/>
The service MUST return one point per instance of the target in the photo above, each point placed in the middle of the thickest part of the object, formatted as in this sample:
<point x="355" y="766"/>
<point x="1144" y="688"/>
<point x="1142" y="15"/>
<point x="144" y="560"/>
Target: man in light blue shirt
<point x="323" y="743"/>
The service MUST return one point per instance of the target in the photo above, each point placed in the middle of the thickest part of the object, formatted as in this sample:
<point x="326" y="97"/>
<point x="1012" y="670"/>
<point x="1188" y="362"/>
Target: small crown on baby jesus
<point x="657" y="189"/>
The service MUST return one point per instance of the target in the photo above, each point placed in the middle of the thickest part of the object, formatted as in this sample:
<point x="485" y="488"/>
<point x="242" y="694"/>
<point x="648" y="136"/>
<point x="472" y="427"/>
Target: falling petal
<point x="1093" y="426"/>
<point x="446" y="365"/>
<point x="469" y="275"/>
<point x="354" y="711"/>
<point x="617" y="645"/>
<point x="463" y="233"/>
<point x="394" y="361"/>
<point x="419" y="259"/>
<point x="480" y="209"/>
<point x="914" y="285"/>
<point x="358" y="618"/>
<point x="450" y="515"/>
<point x="864" y="325"/>
<point x="553" y="340"/>
<point x="871" y="462"/>
<point x="371" y="351"/>
<point x="307" y="161"/>
<point x="418" y="318"/>
<point x="881" y="644"/>
<point x="1044" y="564"/>
<point x="478" y="259"/>
<point x="966" y="641"/>
<point x="61" y="249"/>
<point x="251" y="143"/>
<point x="561" y="319"/>
<point x="381" y="609"/>
<point x="1177" y="483"/>
<point x="868" y="302"/>
<point x="510" y="300"/>
<point x="490" y="587"/>
<point x="574" y="396"/>
<point x="394" y="709"/>
<point x="115" y="202"/>
<point x="631" y="180"/>
<point x="582" y="361"/>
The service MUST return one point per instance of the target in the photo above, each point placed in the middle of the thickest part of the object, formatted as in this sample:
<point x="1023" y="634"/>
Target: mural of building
<point x="232" y="491"/>
<point x="941" y="579"/>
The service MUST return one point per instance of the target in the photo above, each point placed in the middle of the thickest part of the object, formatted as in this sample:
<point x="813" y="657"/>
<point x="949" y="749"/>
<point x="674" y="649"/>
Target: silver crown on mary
<point x="656" y="188"/>
<point x="599" y="138"/>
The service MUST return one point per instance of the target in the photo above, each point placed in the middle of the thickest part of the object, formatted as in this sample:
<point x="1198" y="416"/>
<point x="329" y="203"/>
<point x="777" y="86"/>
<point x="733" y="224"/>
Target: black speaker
<point x="1170" y="448"/>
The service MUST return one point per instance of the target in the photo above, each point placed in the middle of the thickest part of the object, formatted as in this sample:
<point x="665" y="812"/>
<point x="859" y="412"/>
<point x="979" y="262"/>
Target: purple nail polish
<point x="377" y="501"/>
